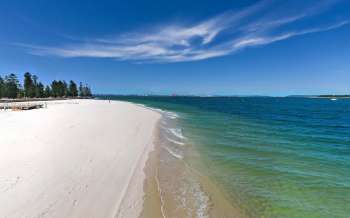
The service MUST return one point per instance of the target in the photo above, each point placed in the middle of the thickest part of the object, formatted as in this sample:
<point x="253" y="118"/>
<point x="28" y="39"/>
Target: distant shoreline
<point x="332" y="96"/>
<point x="107" y="96"/>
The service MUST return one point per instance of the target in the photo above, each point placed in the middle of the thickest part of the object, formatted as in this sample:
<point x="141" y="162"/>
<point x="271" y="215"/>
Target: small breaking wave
<point x="158" y="110"/>
<point x="168" y="114"/>
<point x="175" y="141"/>
<point x="171" y="115"/>
<point x="177" y="132"/>
<point x="141" y="105"/>
<point x="174" y="154"/>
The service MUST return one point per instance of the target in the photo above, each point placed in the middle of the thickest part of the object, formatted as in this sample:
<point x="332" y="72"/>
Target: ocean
<point x="253" y="156"/>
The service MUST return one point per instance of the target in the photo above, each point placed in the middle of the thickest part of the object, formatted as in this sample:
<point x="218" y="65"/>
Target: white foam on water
<point x="153" y="109"/>
<point x="141" y="105"/>
<point x="168" y="114"/>
<point x="157" y="109"/>
<point x="203" y="202"/>
<point x="161" y="196"/>
<point x="171" y="115"/>
<point x="177" y="132"/>
<point x="200" y="208"/>
<point x="174" y="154"/>
<point x="175" y="141"/>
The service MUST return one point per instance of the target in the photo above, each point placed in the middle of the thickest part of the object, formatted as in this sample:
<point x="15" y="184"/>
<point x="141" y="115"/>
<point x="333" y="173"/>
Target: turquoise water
<point x="274" y="157"/>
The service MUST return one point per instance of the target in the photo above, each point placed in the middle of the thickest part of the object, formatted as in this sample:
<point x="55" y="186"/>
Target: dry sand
<point x="77" y="158"/>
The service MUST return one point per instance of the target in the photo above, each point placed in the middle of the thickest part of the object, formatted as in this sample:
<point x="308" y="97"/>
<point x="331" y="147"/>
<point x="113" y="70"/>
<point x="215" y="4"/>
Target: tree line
<point x="10" y="87"/>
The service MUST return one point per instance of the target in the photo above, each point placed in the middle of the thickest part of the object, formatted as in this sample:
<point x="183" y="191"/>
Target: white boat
<point x="333" y="99"/>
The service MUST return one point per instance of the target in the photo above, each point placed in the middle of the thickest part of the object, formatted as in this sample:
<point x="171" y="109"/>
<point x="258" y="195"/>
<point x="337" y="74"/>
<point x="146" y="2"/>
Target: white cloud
<point x="218" y="36"/>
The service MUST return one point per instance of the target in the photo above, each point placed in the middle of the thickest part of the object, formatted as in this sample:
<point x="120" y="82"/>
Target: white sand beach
<point x="76" y="158"/>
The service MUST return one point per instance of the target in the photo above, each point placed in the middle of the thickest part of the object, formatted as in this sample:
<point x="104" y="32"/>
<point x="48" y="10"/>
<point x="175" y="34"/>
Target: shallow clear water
<point x="273" y="157"/>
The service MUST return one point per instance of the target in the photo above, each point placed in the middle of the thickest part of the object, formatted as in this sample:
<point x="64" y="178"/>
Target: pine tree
<point x="54" y="89"/>
<point x="20" y="93"/>
<point x="81" y="89"/>
<point x="2" y="87"/>
<point x="40" y="90"/>
<point x="65" y="89"/>
<point x="60" y="89"/>
<point x="73" y="90"/>
<point x="11" y="86"/>
<point x="87" y="91"/>
<point x="29" y="90"/>
<point x="33" y="88"/>
<point x="36" y="86"/>
<point x="47" y="92"/>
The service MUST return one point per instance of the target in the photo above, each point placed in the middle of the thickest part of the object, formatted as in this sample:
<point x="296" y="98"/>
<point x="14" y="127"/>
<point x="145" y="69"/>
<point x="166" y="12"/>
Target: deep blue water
<point x="275" y="157"/>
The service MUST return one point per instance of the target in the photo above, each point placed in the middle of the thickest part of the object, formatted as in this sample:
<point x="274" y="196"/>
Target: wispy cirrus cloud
<point x="220" y="35"/>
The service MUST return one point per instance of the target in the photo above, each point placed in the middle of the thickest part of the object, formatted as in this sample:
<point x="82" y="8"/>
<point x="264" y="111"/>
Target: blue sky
<point x="187" y="47"/>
